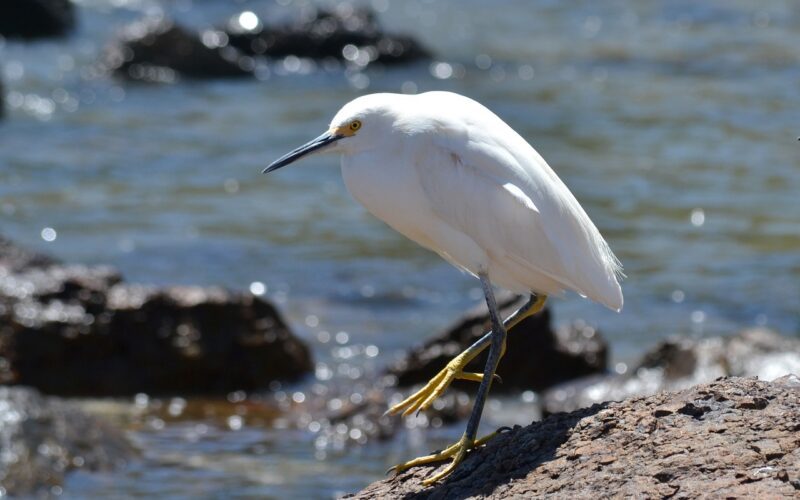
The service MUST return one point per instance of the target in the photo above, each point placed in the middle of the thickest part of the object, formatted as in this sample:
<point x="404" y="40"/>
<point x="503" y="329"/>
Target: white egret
<point x="449" y="174"/>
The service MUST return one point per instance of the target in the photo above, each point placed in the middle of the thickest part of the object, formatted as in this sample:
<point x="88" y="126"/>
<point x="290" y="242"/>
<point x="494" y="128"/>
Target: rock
<point x="706" y="441"/>
<point x="323" y="35"/>
<point x="537" y="356"/>
<point x="14" y="259"/>
<point x="42" y="439"/>
<point x="36" y="18"/>
<point x="78" y="330"/>
<point x="678" y="363"/>
<point x="161" y="51"/>
<point x="158" y="50"/>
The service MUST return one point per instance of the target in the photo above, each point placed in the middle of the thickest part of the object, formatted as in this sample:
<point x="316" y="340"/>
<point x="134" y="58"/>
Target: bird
<point x="449" y="174"/>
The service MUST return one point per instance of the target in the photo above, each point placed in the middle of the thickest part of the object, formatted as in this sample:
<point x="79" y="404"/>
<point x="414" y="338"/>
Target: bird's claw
<point x="456" y="453"/>
<point x="424" y="398"/>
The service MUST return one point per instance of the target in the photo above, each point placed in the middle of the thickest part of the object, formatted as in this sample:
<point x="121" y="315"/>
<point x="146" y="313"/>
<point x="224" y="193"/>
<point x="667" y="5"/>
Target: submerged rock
<point x="36" y="18"/>
<point x="732" y="438"/>
<point x="42" y="439"/>
<point x="78" y="330"/>
<point x="678" y="363"/>
<point x="537" y="356"/>
<point x="347" y="34"/>
<point x="161" y="51"/>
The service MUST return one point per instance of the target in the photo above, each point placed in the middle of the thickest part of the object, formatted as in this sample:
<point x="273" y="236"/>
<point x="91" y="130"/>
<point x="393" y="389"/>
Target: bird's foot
<point x="456" y="452"/>
<point x="436" y="386"/>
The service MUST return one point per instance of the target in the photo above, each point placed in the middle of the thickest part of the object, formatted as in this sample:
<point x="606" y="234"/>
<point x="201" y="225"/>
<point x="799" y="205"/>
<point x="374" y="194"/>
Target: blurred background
<point x="673" y="122"/>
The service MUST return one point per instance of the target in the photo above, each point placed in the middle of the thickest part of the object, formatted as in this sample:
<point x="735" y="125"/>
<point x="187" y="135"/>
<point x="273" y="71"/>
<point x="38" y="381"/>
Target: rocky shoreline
<point x="75" y="330"/>
<point x="732" y="438"/>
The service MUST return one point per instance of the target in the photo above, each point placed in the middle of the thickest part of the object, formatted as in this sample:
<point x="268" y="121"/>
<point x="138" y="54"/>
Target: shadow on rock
<point x="78" y="330"/>
<point x="732" y="438"/>
<point x="510" y="457"/>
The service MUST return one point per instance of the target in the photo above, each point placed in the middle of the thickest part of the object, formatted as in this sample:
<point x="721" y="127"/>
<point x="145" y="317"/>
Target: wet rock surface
<point x="538" y="356"/>
<point x="42" y="439"/>
<point x="732" y="438"/>
<point x="161" y="51"/>
<point x="347" y="33"/>
<point x="679" y="363"/>
<point x="31" y="19"/>
<point x="78" y="330"/>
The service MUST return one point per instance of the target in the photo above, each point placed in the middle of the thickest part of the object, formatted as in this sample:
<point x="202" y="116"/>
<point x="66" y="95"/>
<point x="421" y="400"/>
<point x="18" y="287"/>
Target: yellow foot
<point x="457" y="452"/>
<point x="436" y="386"/>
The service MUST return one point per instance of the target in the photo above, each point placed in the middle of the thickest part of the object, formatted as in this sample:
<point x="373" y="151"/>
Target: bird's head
<point x="358" y="126"/>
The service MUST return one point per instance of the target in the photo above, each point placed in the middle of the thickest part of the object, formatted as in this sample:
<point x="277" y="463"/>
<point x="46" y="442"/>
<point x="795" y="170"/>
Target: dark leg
<point x="496" y="339"/>
<point x="495" y="351"/>
<point x="436" y="386"/>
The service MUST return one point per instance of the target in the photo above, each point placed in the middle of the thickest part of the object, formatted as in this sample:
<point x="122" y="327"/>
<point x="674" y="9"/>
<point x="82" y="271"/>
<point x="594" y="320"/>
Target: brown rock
<point x="577" y="455"/>
<point x="537" y="357"/>
<point x="78" y="330"/>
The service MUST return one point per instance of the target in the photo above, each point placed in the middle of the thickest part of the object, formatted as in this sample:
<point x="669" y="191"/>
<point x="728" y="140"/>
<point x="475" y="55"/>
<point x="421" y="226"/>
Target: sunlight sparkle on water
<point x="49" y="234"/>
<point x="248" y="20"/>
<point x="698" y="217"/>
<point x="258" y="288"/>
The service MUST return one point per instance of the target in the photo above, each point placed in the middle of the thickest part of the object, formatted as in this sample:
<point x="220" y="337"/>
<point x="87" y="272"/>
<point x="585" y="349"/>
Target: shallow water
<point x="675" y="124"/>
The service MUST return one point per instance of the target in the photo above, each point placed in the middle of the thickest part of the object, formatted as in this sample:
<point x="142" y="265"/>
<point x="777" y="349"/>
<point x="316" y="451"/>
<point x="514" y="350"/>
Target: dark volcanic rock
<point x="161" y="51"/>
<point x="42" y="439"/>
<point x="325" y="34"/>
<point x="733" y="438"/>
<point x="36" y="18"/>
<point x="77" y="330"/>
<point x="679" y="363"/>
<point x="537" y="356"/>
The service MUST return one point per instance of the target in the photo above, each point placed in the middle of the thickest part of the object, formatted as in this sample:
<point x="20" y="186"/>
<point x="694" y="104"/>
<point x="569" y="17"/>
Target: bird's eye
<point x="355" y="125"/>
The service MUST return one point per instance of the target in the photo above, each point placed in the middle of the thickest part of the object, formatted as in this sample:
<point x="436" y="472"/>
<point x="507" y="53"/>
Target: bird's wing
<point x="521" y="214"/>
<point x="494" y="208"/>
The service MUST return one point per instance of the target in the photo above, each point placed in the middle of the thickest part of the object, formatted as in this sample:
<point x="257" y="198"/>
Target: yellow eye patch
<point x="348" y="129"/>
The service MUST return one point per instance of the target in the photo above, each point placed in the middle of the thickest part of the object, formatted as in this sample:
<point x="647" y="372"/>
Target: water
<point x="674" y="123"/>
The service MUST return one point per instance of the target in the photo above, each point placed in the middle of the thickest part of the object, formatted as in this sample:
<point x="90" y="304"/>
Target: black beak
<point x="320" y="142"/>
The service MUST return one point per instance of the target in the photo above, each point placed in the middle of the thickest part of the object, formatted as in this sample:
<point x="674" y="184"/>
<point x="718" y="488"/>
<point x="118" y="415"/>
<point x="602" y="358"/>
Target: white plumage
<point x="449" y="174"/>
<point x="452" y="176"/>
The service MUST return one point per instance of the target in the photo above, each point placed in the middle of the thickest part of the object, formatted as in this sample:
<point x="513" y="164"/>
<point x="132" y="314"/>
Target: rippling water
<point x="674" y="122"/>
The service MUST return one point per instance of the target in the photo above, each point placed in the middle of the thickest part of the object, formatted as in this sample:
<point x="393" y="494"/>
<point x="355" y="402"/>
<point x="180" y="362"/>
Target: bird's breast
<point x="388" y="188"/>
